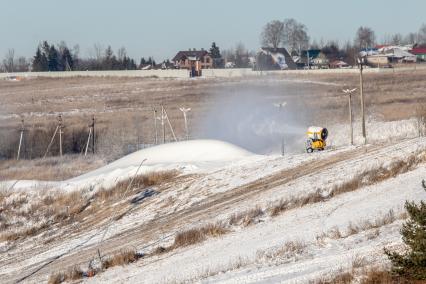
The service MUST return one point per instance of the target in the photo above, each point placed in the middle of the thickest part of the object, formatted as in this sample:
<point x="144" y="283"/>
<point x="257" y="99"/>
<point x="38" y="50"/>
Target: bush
<point x="412" y="263"/>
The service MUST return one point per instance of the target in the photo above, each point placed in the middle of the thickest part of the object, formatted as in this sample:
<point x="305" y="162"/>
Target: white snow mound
<point x="191" y="154"/>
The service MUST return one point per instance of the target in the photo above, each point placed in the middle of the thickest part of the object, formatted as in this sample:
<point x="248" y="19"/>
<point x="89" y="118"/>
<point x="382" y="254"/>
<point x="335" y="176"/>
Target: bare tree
<point x="22" y="64"/>
<point x="364" y="38"/>
<point x="295" y="35"/>
<point x="411" y="38"/>
<point x="98" y="52"/>
<point x="396" y="39"/>
<point x="422" y="34"/>
<point x="9" y="60"/>
<point x="121" y="54"/>
<point x="241" y="56"/>
<point x="273" y="34"/>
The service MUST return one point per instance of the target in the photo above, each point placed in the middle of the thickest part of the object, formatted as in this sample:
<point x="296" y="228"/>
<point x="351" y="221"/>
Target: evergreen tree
<point x="110" y="61"/>
<point x="218" y="62"/>
<point x="412" y="264"/>
<point x="39" y="61"/>
<point x="142" y="63"/>
<point x="215" y="51"/>
<point x="66" y="60"/>
<point x="53" y="59"/>
<point x="46" y="48"/>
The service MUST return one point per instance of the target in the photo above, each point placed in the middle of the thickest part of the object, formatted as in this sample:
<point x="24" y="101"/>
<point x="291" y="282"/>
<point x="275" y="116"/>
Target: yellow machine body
<point x="318" y="144"/>
<point x="316" y="139"/>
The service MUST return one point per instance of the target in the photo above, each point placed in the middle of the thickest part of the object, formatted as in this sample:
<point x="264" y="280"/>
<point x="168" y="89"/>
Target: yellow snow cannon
<point x="316" y="139"/>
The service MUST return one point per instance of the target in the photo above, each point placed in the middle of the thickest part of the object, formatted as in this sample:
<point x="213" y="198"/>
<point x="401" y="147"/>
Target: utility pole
<point x="20" y="139"/>
<point x="361" y="90"/>
<point x="349" y="93"/>
<point x="91" y="136"/>
<point x="184" y="111"/>
<point x="163" y="124"/>
<point x="170" y="125"/>
<point x="155" y="126"/>
<point x="307" y="52"/>
<point x="93" y="133"/>
<point x="60" y="134"/>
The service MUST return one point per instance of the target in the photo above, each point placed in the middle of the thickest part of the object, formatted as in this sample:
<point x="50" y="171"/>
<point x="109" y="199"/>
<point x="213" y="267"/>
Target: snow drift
<point x="184" y="155"/>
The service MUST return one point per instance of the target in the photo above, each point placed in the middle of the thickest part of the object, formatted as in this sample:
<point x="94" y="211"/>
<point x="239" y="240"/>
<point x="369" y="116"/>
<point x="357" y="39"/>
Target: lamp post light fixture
<point x="349" y="93"/>
<point x="185" y="111"/>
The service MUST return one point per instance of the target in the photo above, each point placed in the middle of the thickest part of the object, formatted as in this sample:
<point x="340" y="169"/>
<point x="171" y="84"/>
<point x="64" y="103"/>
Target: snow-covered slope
<point x="184" y="155"/>
<point x="230" y="180"/>
<point x="239" y="257"/>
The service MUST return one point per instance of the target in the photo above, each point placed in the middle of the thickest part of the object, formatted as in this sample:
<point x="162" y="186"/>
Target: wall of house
<point x="185" y="64"/>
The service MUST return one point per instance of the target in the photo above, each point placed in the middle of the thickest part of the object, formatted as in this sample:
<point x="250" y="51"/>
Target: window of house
<point x="207" y="60"/>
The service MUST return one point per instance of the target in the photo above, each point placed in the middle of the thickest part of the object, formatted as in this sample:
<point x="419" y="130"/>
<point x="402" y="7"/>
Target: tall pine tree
<point x="412" y="263"/>
<point x="67" y="61"/>
<point x="217" y="57"/>
<point x="53" y="59"/>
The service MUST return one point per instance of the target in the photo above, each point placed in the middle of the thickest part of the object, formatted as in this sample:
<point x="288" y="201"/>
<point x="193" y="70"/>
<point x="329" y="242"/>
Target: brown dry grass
<point x="139" y="182"/>
<point x="64" y="208"/>
<point x="247" y="217"/>
<point x="341" y="278"/>
<point x="353" y="229"/>
<point x="362" y="179"/>
<point x="376" y="275"/>
<point x="50" y="169"/>
<point x="73" y="273"/>
<point x="288" y="250"/>
<point x="198" y="235"/>
<point x="122" y="258"/>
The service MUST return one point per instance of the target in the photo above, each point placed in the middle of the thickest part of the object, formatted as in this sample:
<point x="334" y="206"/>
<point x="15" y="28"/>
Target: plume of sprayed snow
<point x="254" y="121"/>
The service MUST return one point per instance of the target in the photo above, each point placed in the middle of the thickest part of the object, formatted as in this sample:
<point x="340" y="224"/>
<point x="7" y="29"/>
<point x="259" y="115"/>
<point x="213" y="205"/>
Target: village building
<point x="312" y="59"/>
<point x="419" y="52"/>
<point x="269" y="58"/>
<point x="339" y="64"/>
<point x="193" y="60"/>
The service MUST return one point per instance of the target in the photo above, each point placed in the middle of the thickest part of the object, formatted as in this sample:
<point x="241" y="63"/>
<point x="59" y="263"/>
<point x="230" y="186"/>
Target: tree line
<point x="59" y="57"/>
<point x="48" y="57"/>
<point x="293" y="35"/>
<point x="288" y="33"/>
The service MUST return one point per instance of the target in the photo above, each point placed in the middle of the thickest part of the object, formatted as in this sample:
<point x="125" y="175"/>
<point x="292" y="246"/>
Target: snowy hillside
<point x="290" y="219"/>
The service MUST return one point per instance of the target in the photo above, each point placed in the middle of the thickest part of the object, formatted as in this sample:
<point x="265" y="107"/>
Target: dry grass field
<point x="123" y="108"/>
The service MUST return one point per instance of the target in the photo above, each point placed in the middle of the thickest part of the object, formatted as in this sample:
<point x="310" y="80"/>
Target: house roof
<point x="313" y="53"/>
<point x="193" y="54"/>
<point x="418" y="51"/>
<point x="275" y="51"/>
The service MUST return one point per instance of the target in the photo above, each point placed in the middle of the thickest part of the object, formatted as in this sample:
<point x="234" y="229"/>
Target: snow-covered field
<point x="219" y="180"/>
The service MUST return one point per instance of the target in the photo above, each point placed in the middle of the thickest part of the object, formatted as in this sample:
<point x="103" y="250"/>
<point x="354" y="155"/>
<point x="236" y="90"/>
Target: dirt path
<point x="139" y="236"/>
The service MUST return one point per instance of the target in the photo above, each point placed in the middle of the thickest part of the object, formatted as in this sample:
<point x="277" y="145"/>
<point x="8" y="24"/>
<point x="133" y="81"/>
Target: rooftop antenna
<point x="185" y="111"/>
<point x="349" y="93"/>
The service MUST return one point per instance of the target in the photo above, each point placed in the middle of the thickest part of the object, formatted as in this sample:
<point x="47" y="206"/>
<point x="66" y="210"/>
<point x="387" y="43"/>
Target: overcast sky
<point x="159" y="28"/>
